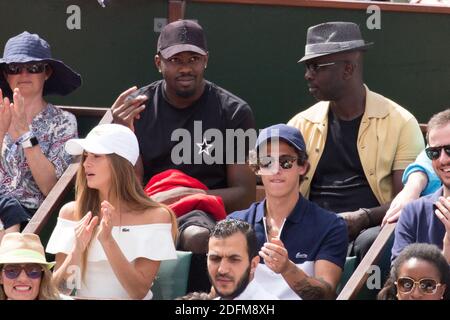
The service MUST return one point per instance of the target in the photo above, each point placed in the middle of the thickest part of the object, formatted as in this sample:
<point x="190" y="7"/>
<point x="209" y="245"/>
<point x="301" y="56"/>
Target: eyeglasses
<point x="426" y="285"/>
<point x="314" y="67"/>
<point x="286" y="162"/>
<point x="31" y="68"/>
<point x="192" y="61"/>
<point x="33" y="271"/>
<point x="435" y="152"/>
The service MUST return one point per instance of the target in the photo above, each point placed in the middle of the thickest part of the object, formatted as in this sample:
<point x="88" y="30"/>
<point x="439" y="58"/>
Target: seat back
<point x="378" y="255"/>
<point x="379" y="274"/>
<point x="349" y="267"/>
<point x="172" y="278"/>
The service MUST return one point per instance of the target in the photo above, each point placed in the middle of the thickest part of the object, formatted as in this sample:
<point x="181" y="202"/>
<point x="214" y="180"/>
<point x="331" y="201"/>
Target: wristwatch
<point x="30" y="142"/>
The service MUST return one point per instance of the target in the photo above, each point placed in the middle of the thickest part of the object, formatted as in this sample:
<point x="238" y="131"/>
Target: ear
<point x="158" y="62"/>
<point x="48" y="72"/>
<point x="443" y="288"/>
<point x="303" y="170"/>
<point x="206" y="60"/>
<point x="253" y="264"/>
<point x="349" y="70"/>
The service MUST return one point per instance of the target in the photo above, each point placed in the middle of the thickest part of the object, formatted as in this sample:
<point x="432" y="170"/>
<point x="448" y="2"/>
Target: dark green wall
<point x="253" y="50"/>
<point x="113" y="50"/>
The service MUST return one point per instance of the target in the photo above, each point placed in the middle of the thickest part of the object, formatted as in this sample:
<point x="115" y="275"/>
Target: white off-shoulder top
<point x="151" y="241"/>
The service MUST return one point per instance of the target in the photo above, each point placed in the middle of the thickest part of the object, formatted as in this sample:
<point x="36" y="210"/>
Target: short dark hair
<point x="438" y="120"/>
<point x="229" y="227"/>
<point x="422" y="251"/>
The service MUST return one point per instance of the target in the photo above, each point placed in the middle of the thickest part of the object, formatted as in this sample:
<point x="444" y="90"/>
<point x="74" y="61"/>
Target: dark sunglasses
<point x="435" y="152"/>
<point x="33" y="271"/>
<point x="31" y="68"/>
<point x="425" y="285"/>
<point x="314" y="67"/>
<point x="286" y="162"/>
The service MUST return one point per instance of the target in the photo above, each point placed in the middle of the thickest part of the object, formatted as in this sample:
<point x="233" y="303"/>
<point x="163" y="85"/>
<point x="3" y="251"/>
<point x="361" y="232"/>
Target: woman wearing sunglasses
<point x="25" y="274"/>
<point x="420" y="272"/>
<point x="32" y="131"/>
<point x="110" y="241"/>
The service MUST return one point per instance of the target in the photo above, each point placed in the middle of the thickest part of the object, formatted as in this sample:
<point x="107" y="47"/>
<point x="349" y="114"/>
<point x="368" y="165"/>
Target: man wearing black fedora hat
<point x="359" y="142"/>
<point x="182" y="100"/>
<point x="32" y="131"/>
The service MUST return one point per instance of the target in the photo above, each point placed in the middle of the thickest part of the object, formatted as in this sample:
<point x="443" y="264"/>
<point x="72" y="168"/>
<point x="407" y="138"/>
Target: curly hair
<point x="422" y="251"/>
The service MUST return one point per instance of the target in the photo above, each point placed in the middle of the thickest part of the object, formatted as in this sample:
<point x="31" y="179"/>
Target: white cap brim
<point x="76" y="147"/>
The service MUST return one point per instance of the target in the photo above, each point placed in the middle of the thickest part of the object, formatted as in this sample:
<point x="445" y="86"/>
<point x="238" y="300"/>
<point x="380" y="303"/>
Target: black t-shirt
<point x="171" y="138"/>
<point x="339" y="183"/>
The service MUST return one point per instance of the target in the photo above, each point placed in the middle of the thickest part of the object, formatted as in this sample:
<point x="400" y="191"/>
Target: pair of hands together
<point x="86" y="226"/>
<point x="13" y="118"/>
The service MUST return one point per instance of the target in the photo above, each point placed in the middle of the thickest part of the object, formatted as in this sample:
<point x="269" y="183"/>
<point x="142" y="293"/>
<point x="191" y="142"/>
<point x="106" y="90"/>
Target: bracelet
<point x="367" y="212"/>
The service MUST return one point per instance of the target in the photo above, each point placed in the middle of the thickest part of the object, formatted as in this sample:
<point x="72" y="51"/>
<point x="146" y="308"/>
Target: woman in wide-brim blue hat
<point x="26" y="48"/>
<point x="32" y="131"/>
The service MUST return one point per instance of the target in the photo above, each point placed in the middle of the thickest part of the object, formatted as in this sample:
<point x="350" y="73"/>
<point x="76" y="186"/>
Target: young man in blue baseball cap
<point x="302" y="245"/>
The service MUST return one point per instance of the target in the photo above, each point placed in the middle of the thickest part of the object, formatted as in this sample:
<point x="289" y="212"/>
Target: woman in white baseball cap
<point x="113" y="233"/>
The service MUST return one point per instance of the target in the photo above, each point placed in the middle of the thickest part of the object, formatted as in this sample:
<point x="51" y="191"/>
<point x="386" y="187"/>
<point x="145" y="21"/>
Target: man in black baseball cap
<point x="359" y="142"/>
<point x="180" y="36"/>
<point x="182" y="105"/>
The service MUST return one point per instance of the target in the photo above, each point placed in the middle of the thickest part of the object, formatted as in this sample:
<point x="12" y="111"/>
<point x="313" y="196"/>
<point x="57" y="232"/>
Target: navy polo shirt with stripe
<point x="310" y="233"/>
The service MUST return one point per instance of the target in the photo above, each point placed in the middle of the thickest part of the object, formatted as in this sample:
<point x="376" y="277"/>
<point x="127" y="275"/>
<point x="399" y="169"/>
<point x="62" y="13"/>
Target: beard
<point x="240" y="287"/>
<point x="185" y="94"/>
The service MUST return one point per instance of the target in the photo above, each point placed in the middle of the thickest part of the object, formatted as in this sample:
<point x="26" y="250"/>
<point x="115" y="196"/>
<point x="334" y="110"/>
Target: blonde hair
<point x="47" y="288"/>
<point x="125" y="189"/>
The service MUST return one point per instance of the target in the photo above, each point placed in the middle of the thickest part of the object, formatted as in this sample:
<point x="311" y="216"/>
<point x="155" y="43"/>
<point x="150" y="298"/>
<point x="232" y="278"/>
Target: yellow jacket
<point x="389" y="138"/>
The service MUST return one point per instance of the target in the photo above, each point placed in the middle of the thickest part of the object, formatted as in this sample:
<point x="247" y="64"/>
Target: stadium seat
<point x="172" y="278"/>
